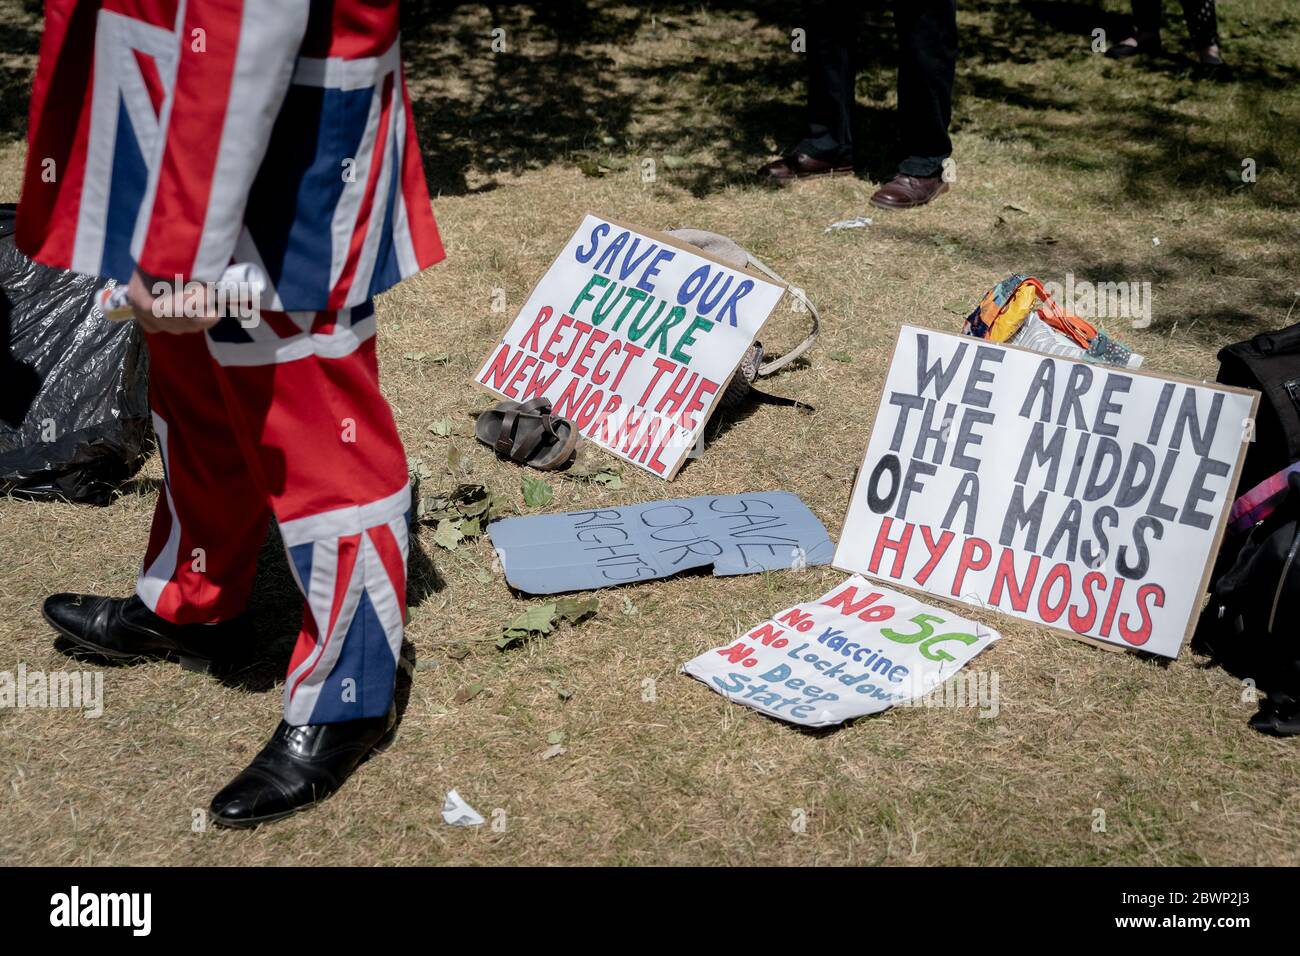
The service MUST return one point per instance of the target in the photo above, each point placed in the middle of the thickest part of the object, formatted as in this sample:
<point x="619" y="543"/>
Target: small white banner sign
<point x="858" y="649"/>
<point x="634" y="337"/>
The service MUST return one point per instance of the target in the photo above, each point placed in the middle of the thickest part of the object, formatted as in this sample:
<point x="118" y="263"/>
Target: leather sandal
<point x="528" y="434"/>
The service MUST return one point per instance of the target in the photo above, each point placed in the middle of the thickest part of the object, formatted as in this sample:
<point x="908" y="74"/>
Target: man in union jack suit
<point x="170" y="139"/>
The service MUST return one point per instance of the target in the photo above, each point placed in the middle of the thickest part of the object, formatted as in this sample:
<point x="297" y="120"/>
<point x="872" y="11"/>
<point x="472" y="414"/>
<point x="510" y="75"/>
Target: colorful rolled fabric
<point x="1004" y="308"/>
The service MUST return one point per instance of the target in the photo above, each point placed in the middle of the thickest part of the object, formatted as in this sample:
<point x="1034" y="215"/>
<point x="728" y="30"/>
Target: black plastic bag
<point x="74" y="409"/>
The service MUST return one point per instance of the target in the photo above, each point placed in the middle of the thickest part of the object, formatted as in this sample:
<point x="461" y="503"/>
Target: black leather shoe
<point x="1279" y="715"/>
<point x="125" y="629"/>
<point x="299" y="768"/>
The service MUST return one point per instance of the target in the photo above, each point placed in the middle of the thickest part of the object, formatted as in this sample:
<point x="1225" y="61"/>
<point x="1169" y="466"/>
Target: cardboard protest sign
<point x="634" y="337"/>
<point x="736" y="534"/>
<point x="858" y="649"/>
<point x="1085" y="497"/>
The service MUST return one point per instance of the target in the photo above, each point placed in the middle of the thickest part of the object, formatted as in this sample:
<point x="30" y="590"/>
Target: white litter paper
<point x="857" y="222"/>
<point x="457" y="813"/>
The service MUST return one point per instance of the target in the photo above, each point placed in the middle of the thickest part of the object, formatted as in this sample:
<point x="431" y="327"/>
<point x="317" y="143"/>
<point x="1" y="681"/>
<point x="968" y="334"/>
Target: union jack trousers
<point x="180" y="136"/>
<point x="285" y="420"/>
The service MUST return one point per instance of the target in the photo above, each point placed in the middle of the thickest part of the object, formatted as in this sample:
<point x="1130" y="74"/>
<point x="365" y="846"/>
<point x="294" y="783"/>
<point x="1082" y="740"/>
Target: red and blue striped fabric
<point x="352" y="571"/>
<point x="290" y="144"/>
<point x="289" y="425"/>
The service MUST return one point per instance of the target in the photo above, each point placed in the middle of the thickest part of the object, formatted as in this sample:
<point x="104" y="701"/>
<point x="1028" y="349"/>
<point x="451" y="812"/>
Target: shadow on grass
<point x="707" y="93"/>
<point x="1258" y="285"/>
<point x="19" y="41"/>
<point x="581" y="79"/>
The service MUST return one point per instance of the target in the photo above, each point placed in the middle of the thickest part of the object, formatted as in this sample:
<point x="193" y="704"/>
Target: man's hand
<point x="166" y="313"/>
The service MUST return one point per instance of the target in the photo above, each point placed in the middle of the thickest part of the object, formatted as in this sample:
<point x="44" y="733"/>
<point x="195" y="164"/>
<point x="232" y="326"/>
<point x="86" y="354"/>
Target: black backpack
<point x="1248" y="625"/>
<point x="1270" y="364"/>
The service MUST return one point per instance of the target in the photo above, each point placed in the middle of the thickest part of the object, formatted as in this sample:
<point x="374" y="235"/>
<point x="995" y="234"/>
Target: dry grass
<point x="1101" y="158"/>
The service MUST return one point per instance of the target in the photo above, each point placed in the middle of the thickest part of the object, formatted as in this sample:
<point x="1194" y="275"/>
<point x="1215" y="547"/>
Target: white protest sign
<point x="1082" y="496"/>
<point x="634" y="337"/>
<point x="858" y="649"/>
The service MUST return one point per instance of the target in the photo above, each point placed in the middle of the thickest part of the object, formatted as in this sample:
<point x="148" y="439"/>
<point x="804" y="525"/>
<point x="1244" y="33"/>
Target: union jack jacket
<point x="180" y="136"/>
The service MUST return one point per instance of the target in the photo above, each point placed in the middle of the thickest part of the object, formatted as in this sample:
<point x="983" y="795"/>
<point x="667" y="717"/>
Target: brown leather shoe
<point x="801" y="166"/>
<point x="907" y="192"/>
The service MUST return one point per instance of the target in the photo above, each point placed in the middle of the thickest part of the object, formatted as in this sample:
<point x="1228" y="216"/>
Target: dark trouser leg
<point x="927" y="63"/>
<point x="832" y="27"/>
<point x="1147" y="16"/>
<point x="1202" y="23"/>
